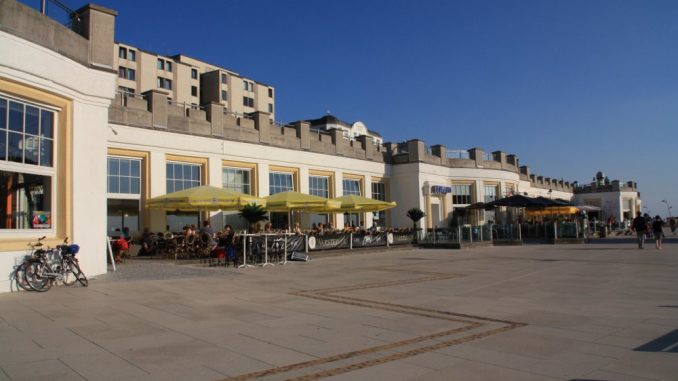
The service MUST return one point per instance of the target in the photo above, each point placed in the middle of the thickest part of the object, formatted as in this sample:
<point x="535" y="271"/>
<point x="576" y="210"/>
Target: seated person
<point x="297" y="229"/>
<point x="147" y="248"/>
<point x="120" y="247"/>
<point x="208" y="234"/>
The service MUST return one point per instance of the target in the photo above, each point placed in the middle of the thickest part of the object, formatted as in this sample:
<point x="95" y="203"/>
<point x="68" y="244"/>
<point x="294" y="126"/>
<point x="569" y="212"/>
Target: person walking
<point x="672" y="225"/>
<point x="640" y="227"/>
<point x="658" y="231"/>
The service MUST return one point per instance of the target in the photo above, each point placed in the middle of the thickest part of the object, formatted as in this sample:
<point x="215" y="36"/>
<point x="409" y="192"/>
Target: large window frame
<point x="43" y="124"/>
<point x="280" y="182"/>
<point x="187" y="169"/>
<point x="490" y="192"/>
<point x="230" y="179"/>
<point x="351" y="186"/>
<point x="129" y="171"/>
<point x="460" y="196"/>
<point x="319" y="186"/>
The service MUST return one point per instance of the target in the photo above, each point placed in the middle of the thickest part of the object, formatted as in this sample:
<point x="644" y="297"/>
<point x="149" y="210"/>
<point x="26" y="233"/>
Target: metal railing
<point x="125" y="95"/>
<point x="458" y="235"/>
<point x="58" y="11"/>
<point x="237" y="114"/>
<point x="458" y="154"/>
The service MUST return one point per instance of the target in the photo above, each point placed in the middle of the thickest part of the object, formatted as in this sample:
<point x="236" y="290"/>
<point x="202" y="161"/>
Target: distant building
<point x="616" y="199"/>
<point x="349" y="130"/>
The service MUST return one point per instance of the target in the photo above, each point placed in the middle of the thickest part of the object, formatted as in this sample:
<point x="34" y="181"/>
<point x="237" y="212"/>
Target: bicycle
<point x="41" y="275"/>
<point x="19" y="273"/>
<point x="69" y="266"/>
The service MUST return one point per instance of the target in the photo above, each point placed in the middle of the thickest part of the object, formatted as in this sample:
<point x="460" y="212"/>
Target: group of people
<point x="644" y="225"/>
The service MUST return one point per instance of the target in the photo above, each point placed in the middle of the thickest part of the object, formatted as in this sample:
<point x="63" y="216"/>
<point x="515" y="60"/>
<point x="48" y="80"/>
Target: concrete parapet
<point x="339" y="142"/>
<point x="440" y="151"/>
<point x="416" y="150"/>
<point x="215" y="115"/>
<point x="97" y="24"/>
<point x="501" y="157"/>
<point x="304" y="134"/>
<point x="512" y="160"/>
<point x="157" y="105"/>
<point x="262" y="123"/>
<point x="23" y="21"/>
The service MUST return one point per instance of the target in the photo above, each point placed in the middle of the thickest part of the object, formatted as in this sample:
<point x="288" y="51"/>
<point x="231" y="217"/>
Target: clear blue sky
<point x="571" y="87"/>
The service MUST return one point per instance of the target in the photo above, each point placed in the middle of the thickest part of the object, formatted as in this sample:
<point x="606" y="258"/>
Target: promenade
<point x="598" y="311"/>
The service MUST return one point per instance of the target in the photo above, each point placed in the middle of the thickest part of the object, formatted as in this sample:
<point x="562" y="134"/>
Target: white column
<point x="338" y="192"/>
<point x="367" y="192"/>
<point x="215" y="180"/>
<point x="262" y="175"/>
<point x="303" y="180"/>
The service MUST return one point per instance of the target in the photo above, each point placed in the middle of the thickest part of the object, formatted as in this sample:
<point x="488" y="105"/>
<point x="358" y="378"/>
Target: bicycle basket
<point x="73" y="249"/>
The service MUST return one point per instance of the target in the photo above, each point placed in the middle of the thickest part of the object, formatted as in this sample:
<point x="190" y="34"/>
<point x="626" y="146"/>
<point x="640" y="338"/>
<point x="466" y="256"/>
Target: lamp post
<point x="668" y="207"/>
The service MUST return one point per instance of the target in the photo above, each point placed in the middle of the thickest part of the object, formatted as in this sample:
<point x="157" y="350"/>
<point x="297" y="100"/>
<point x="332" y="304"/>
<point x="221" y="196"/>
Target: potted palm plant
<point x="253" y="213"/>
<point x="415" y="214"/>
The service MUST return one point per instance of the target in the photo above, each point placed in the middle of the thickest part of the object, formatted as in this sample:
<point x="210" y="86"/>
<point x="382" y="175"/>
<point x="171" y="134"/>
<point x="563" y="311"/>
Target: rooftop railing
<point x="56" y="10"/>
<point x="458" y="154"/>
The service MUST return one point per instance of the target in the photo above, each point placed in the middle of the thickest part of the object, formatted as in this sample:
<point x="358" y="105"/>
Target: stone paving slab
<point x="533" y="312"/>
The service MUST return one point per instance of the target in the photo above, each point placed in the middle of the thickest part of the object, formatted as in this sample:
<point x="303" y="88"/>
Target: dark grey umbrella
<point x="518" y="201"/>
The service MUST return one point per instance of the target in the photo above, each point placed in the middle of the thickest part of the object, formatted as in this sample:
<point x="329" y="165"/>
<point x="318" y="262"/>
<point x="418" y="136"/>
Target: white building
<point x="55" y="92"/>
<point x="620" y="201"/>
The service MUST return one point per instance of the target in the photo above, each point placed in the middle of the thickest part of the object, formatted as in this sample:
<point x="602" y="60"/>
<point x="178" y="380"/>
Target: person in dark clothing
<point x="639" y="225"/>
<point x="672" y="225"/>
<point x="227" y="240"/>
<point x="658" y="231"/>
<point x="146" y="244"/>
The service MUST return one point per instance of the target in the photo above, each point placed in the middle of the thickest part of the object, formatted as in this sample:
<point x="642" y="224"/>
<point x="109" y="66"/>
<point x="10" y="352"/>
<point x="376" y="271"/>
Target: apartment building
<point x="190" y="82"/>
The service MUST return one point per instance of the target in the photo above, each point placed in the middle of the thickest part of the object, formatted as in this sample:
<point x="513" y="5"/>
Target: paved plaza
<point x="599" y="311"/>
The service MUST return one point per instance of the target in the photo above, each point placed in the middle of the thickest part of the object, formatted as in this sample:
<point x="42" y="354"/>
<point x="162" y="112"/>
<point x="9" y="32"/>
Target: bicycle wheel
<point x="36" y="276"/>
<point x="19" y="277"/>
<point x="78" y="274"/>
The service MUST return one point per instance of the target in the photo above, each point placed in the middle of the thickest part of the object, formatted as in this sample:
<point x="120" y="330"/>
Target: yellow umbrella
<point x="202" y="198"/>
<point x="353" y="203"/>
<point x="290" y="200"/>
<point x="552" y="210"/>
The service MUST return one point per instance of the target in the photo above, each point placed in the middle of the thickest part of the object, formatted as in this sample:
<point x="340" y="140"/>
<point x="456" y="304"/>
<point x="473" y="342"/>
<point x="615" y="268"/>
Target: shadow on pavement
<point x="667" y="343"/>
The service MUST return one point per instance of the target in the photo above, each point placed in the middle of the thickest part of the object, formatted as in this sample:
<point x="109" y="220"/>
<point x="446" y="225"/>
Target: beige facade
<point x="190" y="82"/>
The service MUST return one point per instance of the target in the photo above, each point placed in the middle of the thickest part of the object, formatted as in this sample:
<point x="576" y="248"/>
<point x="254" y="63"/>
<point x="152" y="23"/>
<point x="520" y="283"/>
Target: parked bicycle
<point x="19" y="274"/>
<point x="46" y="267"/>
